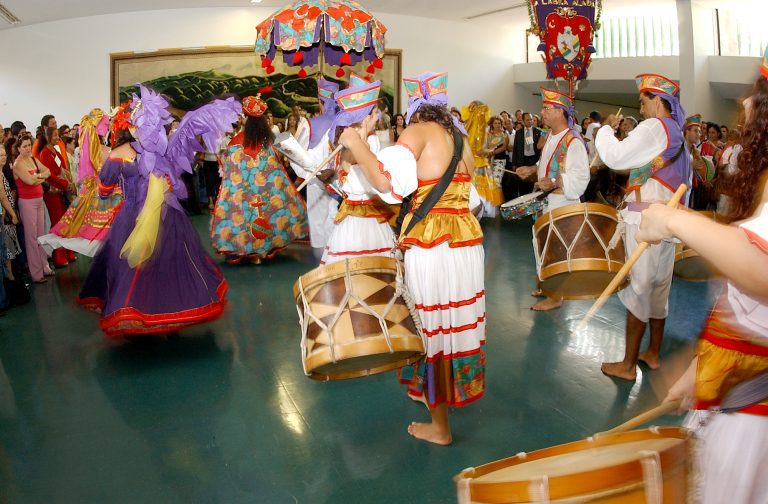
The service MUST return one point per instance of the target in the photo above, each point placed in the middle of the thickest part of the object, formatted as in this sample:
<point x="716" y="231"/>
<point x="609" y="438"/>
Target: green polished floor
<point x="223" y="413"/>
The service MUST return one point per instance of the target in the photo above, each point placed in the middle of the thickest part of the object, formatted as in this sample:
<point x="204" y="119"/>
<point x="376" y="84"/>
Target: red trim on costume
<point x="361" y="202"/>
<point x="361" y="252"/>
<point x="441" y="239"/>
<point x="402" y="144"/>
<point x="452" y="211"/>
<point x="457" y="355"/>
<point x="384" y="172"/>
<point x="758" y="240"/>
<point x="106" y="190"/>
<point x="157" y="322"/>
<point x="740" y="346"/>
<point x="452" y="304"/>
<point x="760" y="409"/>
<point x="459" y="177"/>
<point x="756" y="409"/>
<point x="454" y="330"/>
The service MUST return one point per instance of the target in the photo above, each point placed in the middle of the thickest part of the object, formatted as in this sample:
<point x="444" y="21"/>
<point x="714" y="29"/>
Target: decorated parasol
<point x="310" y="32"/>
<point x="566" y="29"/>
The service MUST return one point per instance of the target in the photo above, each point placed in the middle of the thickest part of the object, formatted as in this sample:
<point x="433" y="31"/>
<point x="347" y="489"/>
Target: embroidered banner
<point x="565" y="29"/>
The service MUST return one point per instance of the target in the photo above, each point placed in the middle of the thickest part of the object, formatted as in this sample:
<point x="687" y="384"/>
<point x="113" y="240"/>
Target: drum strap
<point x="435" y="194"/>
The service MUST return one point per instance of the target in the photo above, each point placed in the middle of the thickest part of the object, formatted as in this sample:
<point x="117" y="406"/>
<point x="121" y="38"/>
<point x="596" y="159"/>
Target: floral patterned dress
<point x="258" y="212"/>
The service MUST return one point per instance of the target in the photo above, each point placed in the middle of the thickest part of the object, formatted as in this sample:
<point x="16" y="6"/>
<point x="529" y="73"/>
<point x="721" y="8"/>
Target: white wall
<point x="63" y="67"/>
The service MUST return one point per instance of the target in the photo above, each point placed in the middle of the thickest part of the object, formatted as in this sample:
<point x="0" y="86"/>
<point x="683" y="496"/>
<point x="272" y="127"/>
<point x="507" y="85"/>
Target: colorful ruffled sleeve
<point x="398" y="164"/>
<point x="750" y="312"/>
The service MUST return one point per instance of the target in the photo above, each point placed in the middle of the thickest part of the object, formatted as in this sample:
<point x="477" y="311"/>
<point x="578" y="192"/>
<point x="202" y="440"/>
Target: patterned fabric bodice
<point x="449" y="220"/>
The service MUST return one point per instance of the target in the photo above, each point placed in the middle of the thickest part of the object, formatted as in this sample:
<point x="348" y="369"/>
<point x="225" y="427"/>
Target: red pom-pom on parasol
<point x="339" y="73"/>
<point x="346" y="59"/>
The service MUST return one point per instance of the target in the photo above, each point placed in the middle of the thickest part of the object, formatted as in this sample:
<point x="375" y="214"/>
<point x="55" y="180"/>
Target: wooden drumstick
<point x="653" y="414"/>
<point x="622" y="274"/>
<point x="596" y="156"/>
<point x="320" y="167"/>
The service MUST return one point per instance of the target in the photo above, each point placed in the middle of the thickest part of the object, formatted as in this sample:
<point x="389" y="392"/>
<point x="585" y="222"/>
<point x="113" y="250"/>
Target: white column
<point x="697" y="32"/>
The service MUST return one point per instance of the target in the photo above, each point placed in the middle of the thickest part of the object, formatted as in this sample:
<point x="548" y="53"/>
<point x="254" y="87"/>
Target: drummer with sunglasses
<point x="563" y="167"/>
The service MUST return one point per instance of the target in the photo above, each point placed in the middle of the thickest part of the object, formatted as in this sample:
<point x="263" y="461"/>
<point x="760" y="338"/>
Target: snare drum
<point x="574" y="256"/>
<point x="354" y="319"/>
<point x="689" y="265"/>
<point x="650" y="465"/>
<point x="525" y="205"/>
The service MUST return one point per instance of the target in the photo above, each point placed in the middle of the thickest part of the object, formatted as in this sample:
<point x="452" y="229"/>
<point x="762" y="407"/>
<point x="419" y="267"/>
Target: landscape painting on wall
<point x="189" y="78"/>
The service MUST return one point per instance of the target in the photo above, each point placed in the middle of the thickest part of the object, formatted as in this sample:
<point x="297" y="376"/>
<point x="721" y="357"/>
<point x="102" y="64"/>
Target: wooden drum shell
<point x="622" y="482"/>
<point x="359" y="345"/>
<point x="589" y="271"/>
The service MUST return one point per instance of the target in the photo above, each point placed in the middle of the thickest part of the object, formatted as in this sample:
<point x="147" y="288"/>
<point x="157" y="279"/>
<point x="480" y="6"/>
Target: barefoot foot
<point x="651" y="360"/>
<point x="537" y="293"/>
<point x="619" y="370"/>
<point x="430" y="432"/>
<point x="547" y="304"/>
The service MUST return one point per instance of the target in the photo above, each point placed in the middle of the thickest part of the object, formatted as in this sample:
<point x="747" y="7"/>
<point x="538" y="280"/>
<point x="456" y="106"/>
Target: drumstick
<point x="622" y="274"/>
<point x="596" y="156"/>
<point x="319" y="168"/>
<point x="653" y="414"/>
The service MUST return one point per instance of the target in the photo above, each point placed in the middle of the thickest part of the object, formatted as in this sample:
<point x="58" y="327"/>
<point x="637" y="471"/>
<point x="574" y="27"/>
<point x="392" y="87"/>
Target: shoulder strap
<point x="437" y="191"/>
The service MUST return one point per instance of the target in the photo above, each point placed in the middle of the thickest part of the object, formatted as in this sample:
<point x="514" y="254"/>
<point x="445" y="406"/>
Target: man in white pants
<point x="655" y="152"/>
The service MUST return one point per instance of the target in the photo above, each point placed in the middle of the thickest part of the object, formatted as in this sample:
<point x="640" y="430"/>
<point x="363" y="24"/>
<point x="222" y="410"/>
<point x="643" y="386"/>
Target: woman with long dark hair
<point x="733" y="347"/>
<point x="258" y="211"/>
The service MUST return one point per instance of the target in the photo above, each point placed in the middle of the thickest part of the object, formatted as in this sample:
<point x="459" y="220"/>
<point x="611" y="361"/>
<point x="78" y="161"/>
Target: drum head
<point x="609" y="468"/>
<point x="525" y="198"/>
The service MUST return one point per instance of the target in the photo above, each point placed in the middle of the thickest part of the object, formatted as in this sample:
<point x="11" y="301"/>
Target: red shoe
<point x="71" y="256"/>
<point x="60" y="258"/>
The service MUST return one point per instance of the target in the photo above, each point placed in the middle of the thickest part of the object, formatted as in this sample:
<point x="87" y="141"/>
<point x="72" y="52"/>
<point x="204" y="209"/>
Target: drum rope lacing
<point x="400" y="291"/>
<point x="653" y="480"/>
<point x="569" y="248"/>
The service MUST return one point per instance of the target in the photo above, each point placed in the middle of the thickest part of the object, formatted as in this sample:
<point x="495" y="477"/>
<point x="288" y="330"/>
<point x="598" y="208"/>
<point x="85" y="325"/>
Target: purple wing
<point x="150" y="117"/>
<point x="209" y="123"/>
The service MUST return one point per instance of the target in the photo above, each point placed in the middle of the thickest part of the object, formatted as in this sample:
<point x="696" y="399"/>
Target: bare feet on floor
<point x="537" y="293"/>
<point x="619" y="370"/>
<point x="547" y="304"/>
<point x="651" y="360"/>
<point x="430" y="432"/>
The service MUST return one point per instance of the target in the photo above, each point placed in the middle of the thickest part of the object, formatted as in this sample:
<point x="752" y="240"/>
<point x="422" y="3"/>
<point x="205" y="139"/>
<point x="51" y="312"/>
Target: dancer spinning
<point x="362" y="222"/>
<point x="656" y="155"/>
<point x="443" y="250"/>
<point x="85" y="225"/>
<point x="732" y="452"/>
<point x="563" y="167"/>
<point x="258" y="211"/>
<point x="152" y="274"/>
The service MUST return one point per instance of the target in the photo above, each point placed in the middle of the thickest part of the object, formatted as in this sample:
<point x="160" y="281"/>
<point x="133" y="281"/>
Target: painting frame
<point x="128" y="68"/>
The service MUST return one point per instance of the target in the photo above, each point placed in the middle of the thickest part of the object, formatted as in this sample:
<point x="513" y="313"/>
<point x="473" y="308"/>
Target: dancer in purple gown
<point x="152" y="274"/>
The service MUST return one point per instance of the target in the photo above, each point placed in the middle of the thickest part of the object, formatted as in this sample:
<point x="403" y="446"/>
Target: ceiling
<point x="39" y="11"/>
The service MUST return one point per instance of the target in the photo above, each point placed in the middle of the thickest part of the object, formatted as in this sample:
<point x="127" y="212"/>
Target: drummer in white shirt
<point x="563" y="167"/>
